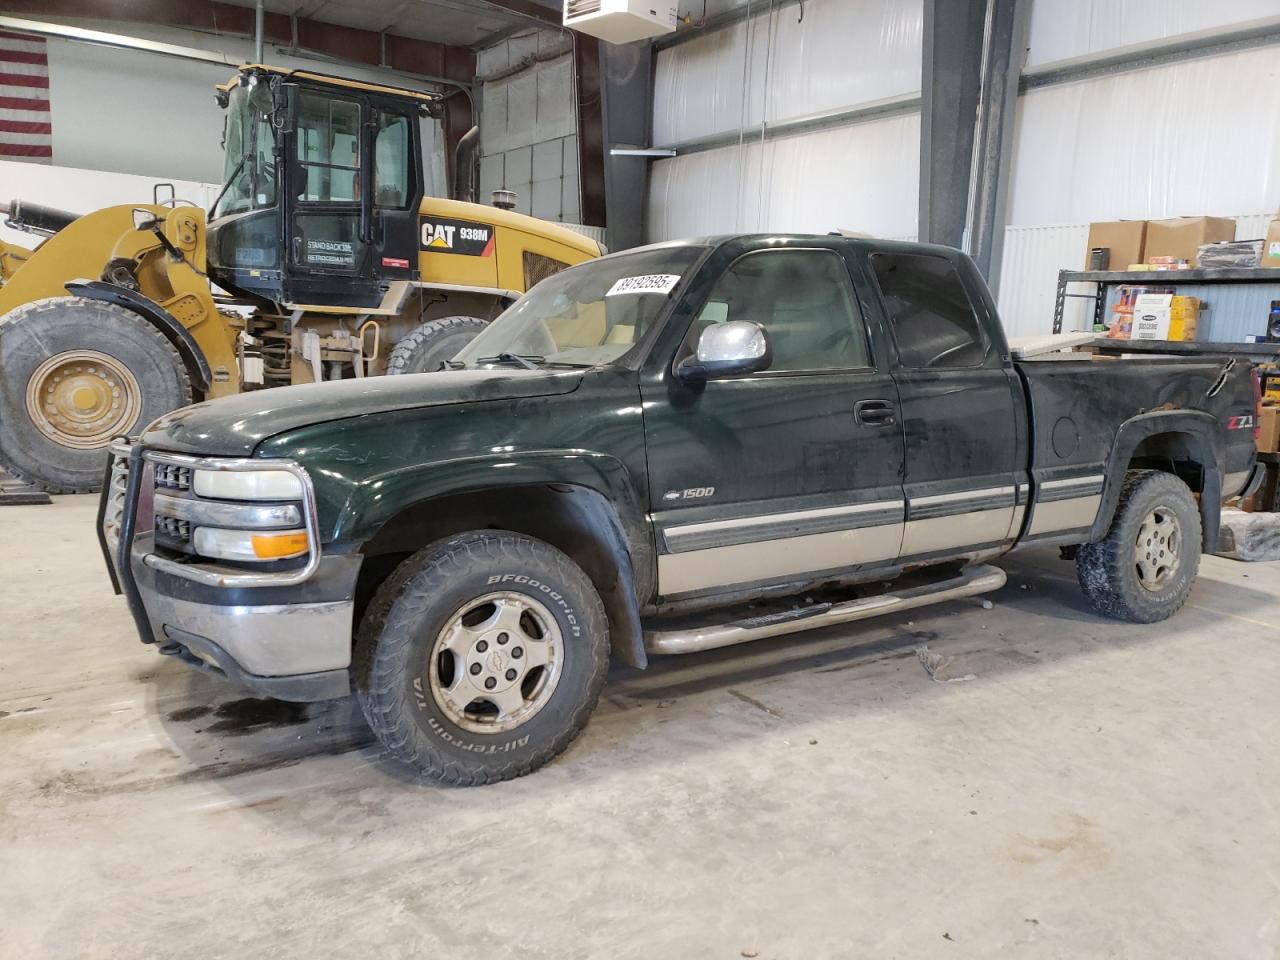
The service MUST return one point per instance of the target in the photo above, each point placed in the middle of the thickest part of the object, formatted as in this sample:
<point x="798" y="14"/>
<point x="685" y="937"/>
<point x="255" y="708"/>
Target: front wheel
<point x="481" y="657"/>
<point x="1142" y="571"/>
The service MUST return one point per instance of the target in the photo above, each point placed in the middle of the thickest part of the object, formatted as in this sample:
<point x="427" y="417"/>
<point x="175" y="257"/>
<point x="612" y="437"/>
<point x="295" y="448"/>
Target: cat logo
<point x="457" y="236"/>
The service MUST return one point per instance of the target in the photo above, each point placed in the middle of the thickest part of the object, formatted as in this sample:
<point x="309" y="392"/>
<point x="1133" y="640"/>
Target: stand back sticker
<point x="464" y="237"/>
<point x="331" y="253"/>
<point x="650" y="283"/>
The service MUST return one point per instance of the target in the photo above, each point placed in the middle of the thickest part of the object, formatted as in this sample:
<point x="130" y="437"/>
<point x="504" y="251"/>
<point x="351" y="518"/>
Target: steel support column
<point x="1008" y="26"/>
<point x="951" y="79"/>
<point x="625" y="84"/>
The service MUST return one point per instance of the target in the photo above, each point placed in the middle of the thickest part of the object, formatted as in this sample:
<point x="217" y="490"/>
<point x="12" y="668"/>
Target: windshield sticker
<point x="651" y="283"/>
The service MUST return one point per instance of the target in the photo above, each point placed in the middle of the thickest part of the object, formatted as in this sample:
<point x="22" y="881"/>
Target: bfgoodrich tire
<point x="481" y="657"/>
<point x="424" y="348"/>
<point x="1143" y="570"/>
<point x="74" y="373"/>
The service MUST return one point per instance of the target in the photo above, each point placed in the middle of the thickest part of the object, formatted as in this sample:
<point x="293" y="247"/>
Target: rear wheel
<point x="74" y="373"/>
<point x="482" y="657"/>
<point x="1142" y="571"/>
<point x="424" y="348"/>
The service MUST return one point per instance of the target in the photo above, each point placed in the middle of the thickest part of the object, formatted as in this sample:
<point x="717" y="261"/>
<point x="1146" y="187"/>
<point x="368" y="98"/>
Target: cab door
<point x="784" y="474"/>
<point x="327" y="233"/>
<point x="397" y="190"/>
<point x="961" y="408"/>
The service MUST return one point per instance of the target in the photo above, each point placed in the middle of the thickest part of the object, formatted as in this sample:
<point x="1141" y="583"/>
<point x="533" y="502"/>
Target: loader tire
<point x="427" y="346"/>
<point x="74" y="374"/>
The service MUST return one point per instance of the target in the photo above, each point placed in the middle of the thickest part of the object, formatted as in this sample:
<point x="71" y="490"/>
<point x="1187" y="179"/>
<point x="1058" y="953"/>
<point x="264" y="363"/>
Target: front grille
<point x="174" y="529"/>
<point x="173" y="476"/>
<point x="113" y="512"/>
<point x="580" y="8"/>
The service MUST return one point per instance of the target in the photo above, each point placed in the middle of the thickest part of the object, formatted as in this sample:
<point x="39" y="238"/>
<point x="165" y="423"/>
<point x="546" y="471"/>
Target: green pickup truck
<point x="657" y="452"/>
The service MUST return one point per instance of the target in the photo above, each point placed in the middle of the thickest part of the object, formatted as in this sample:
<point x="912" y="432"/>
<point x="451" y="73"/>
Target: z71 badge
<point x="457" y="236"/>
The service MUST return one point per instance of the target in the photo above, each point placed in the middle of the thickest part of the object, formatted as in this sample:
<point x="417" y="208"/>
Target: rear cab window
<point x="931" y="318"/>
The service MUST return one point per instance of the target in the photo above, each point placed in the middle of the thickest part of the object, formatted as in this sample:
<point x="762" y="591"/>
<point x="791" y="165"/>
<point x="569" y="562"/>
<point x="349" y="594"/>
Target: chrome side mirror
<point x="727" y="350"/>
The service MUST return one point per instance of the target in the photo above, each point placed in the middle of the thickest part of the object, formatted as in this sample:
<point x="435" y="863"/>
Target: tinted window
<point x="391" y="161"/>
<point x="932" y="319"/>
<point x="803" y="299"/>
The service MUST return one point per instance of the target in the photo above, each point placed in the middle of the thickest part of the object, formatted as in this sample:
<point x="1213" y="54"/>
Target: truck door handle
<point x="874" y="413"/>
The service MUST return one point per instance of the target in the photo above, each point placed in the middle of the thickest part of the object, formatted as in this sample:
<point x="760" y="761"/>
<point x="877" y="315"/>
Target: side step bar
<point x="973" y="581"/>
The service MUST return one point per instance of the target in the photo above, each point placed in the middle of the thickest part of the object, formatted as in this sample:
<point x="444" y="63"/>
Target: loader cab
<point x="321" y="189"/>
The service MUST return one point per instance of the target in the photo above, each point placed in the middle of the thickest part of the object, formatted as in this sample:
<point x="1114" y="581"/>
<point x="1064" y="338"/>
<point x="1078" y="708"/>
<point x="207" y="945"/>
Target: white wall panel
<point x="528" y="126"/>
<point x="841" y="54"/>
<point x="1066" y="29"/>
<point x="1197" y="137"/>
<point x="82" y="191"/>
<point x="862" y="177"/>
<point x="132" y="112"/>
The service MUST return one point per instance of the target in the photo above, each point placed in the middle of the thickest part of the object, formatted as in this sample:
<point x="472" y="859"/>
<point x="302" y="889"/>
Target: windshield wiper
<point x="529" y="362"/>
<point x="227" y="186"/>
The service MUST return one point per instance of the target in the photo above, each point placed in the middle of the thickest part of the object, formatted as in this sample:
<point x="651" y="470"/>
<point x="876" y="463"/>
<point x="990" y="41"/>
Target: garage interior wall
<point x="1200" y="136"/>
<point x="157" y="117"/>
<point x="1196" y="137"/>
<point x="796" y="62"/>
<point x="529" y="124"/>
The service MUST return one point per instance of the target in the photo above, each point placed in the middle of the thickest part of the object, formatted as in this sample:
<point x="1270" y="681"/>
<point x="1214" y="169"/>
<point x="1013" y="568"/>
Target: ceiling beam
<point x="528" y="10"/>
<point x="349" y="44"/>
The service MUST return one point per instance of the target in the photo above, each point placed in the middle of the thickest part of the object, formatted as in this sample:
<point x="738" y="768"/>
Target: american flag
<point x="26" y="132"/>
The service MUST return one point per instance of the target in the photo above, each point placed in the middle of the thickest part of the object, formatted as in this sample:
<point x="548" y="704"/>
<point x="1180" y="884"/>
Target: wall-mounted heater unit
<point x="621" y="21"/>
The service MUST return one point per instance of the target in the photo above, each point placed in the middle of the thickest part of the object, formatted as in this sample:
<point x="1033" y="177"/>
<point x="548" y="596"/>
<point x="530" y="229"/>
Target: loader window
<point x="391" y="162"/>
<point x="328" y="138"/>
<point x="249" y="151"/>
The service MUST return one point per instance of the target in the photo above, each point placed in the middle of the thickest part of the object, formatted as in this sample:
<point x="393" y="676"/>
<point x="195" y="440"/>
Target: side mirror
<point x="727" y="350"/>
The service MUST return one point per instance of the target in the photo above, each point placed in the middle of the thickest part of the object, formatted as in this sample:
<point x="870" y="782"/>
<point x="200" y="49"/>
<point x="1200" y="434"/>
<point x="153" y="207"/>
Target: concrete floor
<point x="1099" y="790"/>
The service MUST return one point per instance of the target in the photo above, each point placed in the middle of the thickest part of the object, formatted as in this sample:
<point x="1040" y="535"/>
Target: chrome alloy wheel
<point x="82" y="399"/>
<point x="496" y="663"/>
<point x="1158" y="548"/>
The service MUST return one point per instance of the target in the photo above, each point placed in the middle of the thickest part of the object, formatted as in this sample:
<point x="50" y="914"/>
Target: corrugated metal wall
<point x="796" y="62"/>
<point x="1183" y="139"/>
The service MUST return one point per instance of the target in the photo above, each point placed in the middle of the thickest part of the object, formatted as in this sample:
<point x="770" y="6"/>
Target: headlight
<point x="247" y="485"/>
<point x="250" y="545"/>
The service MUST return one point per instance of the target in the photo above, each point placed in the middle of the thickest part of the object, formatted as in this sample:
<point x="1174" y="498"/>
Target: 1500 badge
<point x="457" y="236"/>
<point x="692" y="493"/>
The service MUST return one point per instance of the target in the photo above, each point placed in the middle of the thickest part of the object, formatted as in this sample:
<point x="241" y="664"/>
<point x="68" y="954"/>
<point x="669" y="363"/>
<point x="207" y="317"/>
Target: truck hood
<point x="234" y="426"/>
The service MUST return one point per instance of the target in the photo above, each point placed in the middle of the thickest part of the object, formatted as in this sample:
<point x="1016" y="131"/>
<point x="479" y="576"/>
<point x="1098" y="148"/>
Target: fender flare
<point x="1203" y="430"/>
<point x="158" y="317"/>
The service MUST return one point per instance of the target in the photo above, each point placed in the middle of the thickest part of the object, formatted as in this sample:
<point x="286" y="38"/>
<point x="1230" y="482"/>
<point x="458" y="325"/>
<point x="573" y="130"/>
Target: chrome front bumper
<point x="286" y="636"/>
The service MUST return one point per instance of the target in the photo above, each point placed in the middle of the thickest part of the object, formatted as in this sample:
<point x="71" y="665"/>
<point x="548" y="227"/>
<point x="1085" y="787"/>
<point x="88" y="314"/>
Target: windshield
<point x="249" y="151"/>
<point x="591" y="314"/>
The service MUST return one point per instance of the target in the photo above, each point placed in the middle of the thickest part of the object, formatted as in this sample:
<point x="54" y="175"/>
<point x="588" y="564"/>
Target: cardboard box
<point x="1181" y="237"/>
<point x="1124" y="238"/>
<point x="1269" y="430"/>
<point x="1162" y="316"/>
<point x="1271" y="246"/>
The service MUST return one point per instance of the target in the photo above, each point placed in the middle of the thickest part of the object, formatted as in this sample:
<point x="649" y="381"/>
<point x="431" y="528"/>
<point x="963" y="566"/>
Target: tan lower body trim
<point x="957" y="530"/>
<point x="767" y="559"/>
<point x="1064" y="514"/>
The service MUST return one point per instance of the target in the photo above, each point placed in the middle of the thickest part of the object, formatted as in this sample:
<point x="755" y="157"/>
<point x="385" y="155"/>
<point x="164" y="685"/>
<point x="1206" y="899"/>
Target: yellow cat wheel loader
<point x="321" y="258"/>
